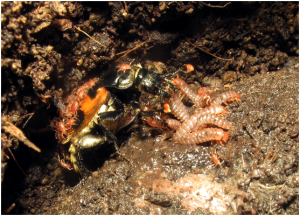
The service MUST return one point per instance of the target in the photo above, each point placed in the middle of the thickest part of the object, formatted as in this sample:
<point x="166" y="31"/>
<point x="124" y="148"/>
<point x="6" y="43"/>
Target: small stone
<point x="79" y="62"/>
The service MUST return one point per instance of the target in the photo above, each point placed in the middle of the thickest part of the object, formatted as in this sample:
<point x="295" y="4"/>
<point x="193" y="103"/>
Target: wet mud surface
<point x="42" y="53"/>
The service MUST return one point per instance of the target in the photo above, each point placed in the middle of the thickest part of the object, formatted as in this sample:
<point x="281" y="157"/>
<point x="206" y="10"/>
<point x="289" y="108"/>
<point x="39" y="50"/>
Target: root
<point x="10" y="208"/>
<point x="216" y="6"/>
<point x="271" y="187"/>
<point x="16" y="161"/>
<point x="208" y="52"/>
<point x="89" y="36"/>
<point x="129" y="51"/>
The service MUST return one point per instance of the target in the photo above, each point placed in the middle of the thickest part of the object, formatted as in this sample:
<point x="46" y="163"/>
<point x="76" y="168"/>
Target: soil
<point x="250" y="47"/>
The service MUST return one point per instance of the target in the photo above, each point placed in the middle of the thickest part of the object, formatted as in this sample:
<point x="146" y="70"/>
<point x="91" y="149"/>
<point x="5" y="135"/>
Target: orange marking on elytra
<point x="89" y="104"/>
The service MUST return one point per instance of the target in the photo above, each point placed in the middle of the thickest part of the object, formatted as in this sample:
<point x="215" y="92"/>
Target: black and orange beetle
<point x="89" y="119"/>
<point x="91" y="115"/>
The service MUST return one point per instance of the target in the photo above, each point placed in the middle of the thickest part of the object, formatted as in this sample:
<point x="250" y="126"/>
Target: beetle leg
<point x="111" y="137"/>
<point x="85" y="142"/>
<point x="119" y="153"/>
<point x="76" y="159"/>
<point x="111" y="116"/>
<point x="106" y="132"/>
<point x="114" y="114"/>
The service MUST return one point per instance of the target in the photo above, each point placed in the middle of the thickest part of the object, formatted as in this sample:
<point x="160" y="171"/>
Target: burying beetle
<point x="91" y="116"/>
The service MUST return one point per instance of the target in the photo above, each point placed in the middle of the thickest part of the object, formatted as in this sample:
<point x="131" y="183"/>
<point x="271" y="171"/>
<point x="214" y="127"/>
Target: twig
<point x="125" y="6"/>
<point x="22" y="117"/>
<point x="273" y="159"/>
<point x="10" y="208"/>
<point x="208" y="52"/>
<point x="216" y="6"/>
<point x="129" y="51"/>
<point x="88" y="36"/>
<point x="31" y="114"/>
<point x="122" y="52"/>
<point x="268" y="155"/>
<point x="243" y="161"/>
<point x="9" y="127"/>
<point x="271" y="187"/>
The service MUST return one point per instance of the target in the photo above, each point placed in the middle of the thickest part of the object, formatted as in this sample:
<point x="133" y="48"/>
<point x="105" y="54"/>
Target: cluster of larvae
<point x="206" y="123"/>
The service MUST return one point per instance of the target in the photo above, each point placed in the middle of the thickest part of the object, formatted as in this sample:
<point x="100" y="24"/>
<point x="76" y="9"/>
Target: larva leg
<point x="226" y="97"/>
<point x="206" y="94"/>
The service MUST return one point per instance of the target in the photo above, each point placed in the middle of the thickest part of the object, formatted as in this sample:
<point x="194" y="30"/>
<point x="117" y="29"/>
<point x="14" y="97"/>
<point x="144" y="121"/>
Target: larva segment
<point x="178" y="109"/>
<point x="190" y="124"/>
<point x="197" y="100"/>
<point x="205" y="91"/>
<point x="205" y="135"/>
<point x="226" y="97"/>
<point x="173" y="123"/>
<point x="214" y="120"/>
<point x="215" y="109"/>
